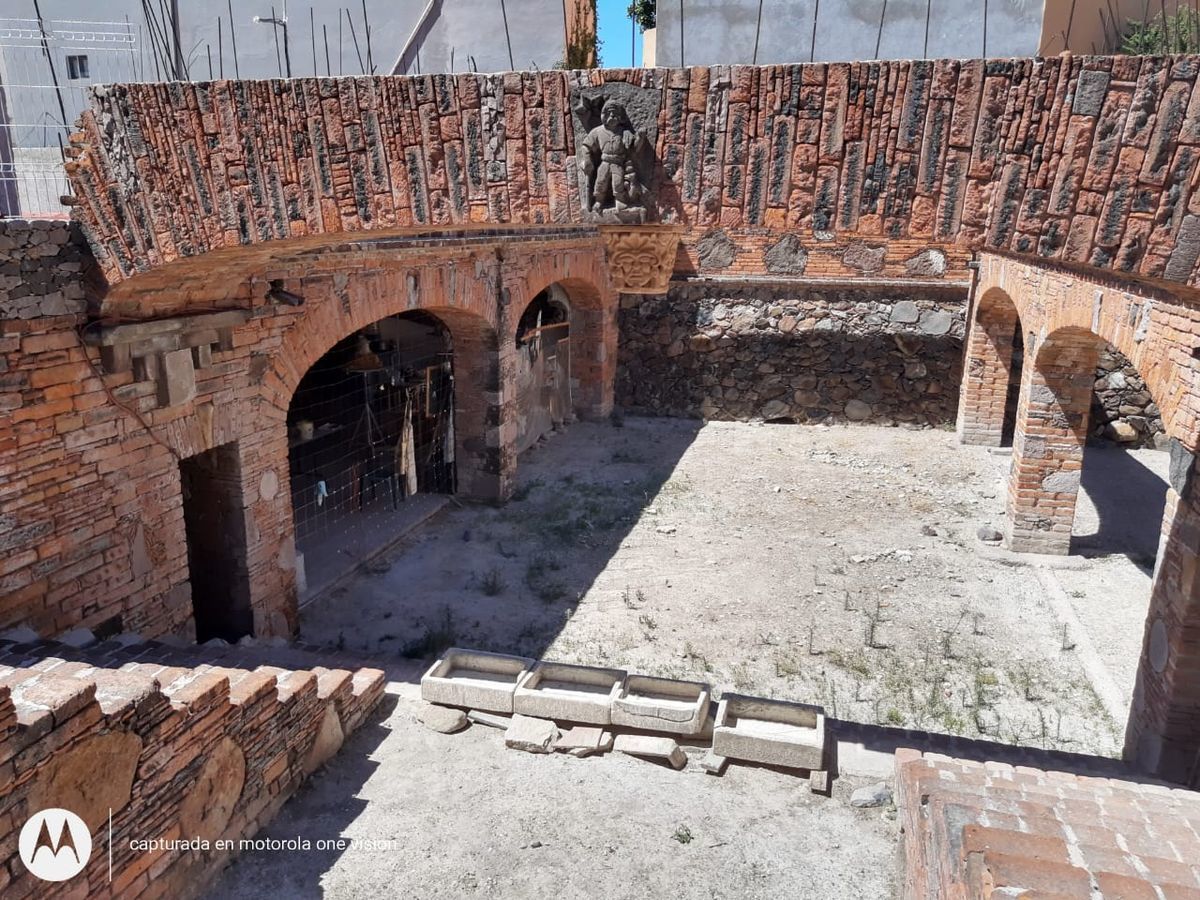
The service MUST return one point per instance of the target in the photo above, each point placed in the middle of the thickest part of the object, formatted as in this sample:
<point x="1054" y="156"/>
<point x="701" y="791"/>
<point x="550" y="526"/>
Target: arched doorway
<point x="371" y="434"/>
<point x="542" y="382"/>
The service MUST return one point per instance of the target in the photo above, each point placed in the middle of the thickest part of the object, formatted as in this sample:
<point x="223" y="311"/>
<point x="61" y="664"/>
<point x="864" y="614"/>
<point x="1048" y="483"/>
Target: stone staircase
<point x="986" y="829"/>
<point x="179" y="741"/>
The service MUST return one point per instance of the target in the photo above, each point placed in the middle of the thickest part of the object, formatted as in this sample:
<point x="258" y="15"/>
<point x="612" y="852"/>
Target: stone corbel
<point x="641" y="258"/>
<point x="167" y="351"/>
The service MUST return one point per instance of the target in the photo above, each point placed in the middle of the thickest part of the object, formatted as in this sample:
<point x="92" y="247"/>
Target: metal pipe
<point x="507" y="36"/>
<point x="758" y="31"/>
<point x="879" y="36"/>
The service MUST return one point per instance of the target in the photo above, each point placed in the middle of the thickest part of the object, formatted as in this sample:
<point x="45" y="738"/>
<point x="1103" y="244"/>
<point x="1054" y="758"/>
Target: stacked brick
<point x="92" y="526"/>
<point x="187" y="752"/>
<point x="1085" y="159"/>
<point x="973" y="829"/>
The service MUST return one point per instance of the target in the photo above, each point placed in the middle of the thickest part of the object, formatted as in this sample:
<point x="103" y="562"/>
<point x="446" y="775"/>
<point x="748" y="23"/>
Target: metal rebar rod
<point x="1071" y="22"/>
<point x="879" y="36"/>
<point x="208" y="50"/>
<point x="220" y="48"/>
<point x="367" y="29"/>
<point x="812" y="50"/>
<point x="928" y="8"/>
<point x="233" y="38"/>
<point x="312" y="33"/>
<point x="985" y="18"/>
<point x="681" y="62"/>
<point x="354" y="35"/>
<point x="507" y="36"/>
<point x="757" y="32"/>
<point x="325" y="35"/>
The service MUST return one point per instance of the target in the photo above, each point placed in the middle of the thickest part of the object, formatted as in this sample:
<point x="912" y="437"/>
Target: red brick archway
<point x="1066" y="313"/>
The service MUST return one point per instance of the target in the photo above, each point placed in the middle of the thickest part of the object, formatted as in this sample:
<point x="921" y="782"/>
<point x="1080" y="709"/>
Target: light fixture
<point x="365" y="359"/>
<point x="277" y="293"/>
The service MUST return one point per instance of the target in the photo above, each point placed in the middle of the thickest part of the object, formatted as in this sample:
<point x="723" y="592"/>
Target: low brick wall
<point x="187" y="754"/>
<point x="774" y="351"/>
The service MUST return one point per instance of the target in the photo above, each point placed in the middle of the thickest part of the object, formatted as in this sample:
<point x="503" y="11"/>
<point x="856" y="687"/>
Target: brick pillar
<point x="479" y="436"/>
<point x="593" y="359"/>
<point x="987" y="372"/>
<point x="1163" y="735"/>
<point x="1051" y="430"/>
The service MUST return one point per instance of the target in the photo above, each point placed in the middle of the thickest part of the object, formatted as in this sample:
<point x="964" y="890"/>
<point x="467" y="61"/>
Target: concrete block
<point x="474" y="679"/>
<point x="819" y="782"/>
<point x="773" y="732"/>
<point x="652" y="747"/>
<point x="531" y="735"/>
<point x="569" y="693"/>
<point x="713" y="764"/>
<point x="662" y="704"/>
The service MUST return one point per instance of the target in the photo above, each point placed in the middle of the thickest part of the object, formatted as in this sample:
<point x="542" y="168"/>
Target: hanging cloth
<point x="406" y="451"/>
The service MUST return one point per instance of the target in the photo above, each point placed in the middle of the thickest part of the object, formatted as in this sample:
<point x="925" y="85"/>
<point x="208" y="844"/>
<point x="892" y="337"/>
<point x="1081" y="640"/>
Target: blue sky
<point x="614" y="28"/>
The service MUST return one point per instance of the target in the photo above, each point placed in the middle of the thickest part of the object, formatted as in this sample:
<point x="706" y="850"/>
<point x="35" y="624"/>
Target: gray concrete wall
<point x="723" y="31"/>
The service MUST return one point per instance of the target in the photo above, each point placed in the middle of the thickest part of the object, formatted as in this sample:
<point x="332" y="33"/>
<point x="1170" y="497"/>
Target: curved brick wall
<point x="1086" y="159"/>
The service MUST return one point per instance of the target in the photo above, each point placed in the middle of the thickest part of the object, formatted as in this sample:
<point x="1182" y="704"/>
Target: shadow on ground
<point x="508" y="577"/>
<point x="1124" y="506"/>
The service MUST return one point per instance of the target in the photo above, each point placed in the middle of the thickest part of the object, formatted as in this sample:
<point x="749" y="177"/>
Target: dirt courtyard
<point x="833" y="565"/>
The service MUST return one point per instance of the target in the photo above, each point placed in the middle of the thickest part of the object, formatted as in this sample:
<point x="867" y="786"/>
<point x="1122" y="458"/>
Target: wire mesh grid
<point x="364" y="441"/>
<point x="46" y="68"/>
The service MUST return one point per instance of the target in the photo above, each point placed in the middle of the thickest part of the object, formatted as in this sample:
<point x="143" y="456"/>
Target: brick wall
<point x="186" y="753"/>
<point x="730" y="349"/>
<point x="93" y="527"/>
<point x="1086" y="159"/>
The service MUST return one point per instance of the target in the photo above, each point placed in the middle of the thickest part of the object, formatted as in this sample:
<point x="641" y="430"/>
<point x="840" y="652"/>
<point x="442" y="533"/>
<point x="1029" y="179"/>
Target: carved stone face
<point x="611" y="116"/>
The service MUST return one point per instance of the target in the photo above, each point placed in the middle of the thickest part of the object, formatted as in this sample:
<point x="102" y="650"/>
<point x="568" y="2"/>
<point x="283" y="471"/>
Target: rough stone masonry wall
<point x="740" y="350"/>
<point x="1083" y="159"/>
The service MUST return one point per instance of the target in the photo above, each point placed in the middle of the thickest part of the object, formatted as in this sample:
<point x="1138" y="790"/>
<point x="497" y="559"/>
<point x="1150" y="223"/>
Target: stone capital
<point x="641" y="258"/>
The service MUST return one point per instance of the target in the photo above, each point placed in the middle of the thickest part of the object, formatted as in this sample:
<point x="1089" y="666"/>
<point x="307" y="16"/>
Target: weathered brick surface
<point x="91" y="512"/>
<point x="1065" y="314"/>
<point x="1087" y="159"/>
<point x="974" y="828"/>
<point x="175" y="719"/>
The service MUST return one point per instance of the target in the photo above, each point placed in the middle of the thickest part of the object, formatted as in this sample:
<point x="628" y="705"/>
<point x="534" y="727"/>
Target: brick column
<point x="1163" y="735"/>
<point x="482" y="444"/>
<point x="1052" y="423"/>
<point x="987" y="372"/>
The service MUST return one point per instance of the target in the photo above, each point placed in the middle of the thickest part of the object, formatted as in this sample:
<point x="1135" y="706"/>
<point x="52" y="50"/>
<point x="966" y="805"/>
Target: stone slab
<point x="647" y="746"/>
<point x="474" y="679"/>
<point x="713" y="764"/>
<point x="772" y="732"/>
<point x="489" y="719"/>
<point x="531" y="735"/>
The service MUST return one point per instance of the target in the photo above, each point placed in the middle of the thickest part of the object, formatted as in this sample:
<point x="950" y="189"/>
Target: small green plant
<point x="492" y="584"/>
<point x="894" y="717"/>
<point x="1164" y="34"/>
<point x="683" y="834"/>
<point x="523" y="491"/>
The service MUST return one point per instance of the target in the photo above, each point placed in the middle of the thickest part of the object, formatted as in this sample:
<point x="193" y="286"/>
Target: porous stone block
<point x="652" y="747"/>
<point x="569" y="693"/>
<point x="473" y="679"/>
<point x="584" y="740"/>
<point x="714" y="764"/>
<point x="662" y="704"/>
<point x="773" y="732"/>
<point x="530" y="734"/>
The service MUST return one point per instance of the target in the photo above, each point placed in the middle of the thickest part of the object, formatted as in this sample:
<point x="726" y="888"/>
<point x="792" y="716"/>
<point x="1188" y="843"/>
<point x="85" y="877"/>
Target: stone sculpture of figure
<point x="608" y="157"/>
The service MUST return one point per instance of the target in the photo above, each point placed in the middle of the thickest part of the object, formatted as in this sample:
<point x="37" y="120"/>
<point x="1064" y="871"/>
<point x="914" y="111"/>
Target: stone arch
<point x="991" y="371"/>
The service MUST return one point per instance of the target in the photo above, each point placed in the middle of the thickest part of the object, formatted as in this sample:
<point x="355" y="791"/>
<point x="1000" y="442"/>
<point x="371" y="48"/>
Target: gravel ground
<point x="832" y="565"/>
<point x="467" y="818"/>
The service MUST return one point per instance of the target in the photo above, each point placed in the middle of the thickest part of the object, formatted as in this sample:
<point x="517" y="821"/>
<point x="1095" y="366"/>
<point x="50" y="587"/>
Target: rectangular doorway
<point x="215" y="523"/>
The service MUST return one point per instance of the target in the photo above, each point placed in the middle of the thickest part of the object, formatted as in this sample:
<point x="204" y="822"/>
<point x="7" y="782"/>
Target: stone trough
<point x="474" y="679"/>
<point x="662" y="704"/>
<point x="569" y="693"/>
<point x="773" y="732"/>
